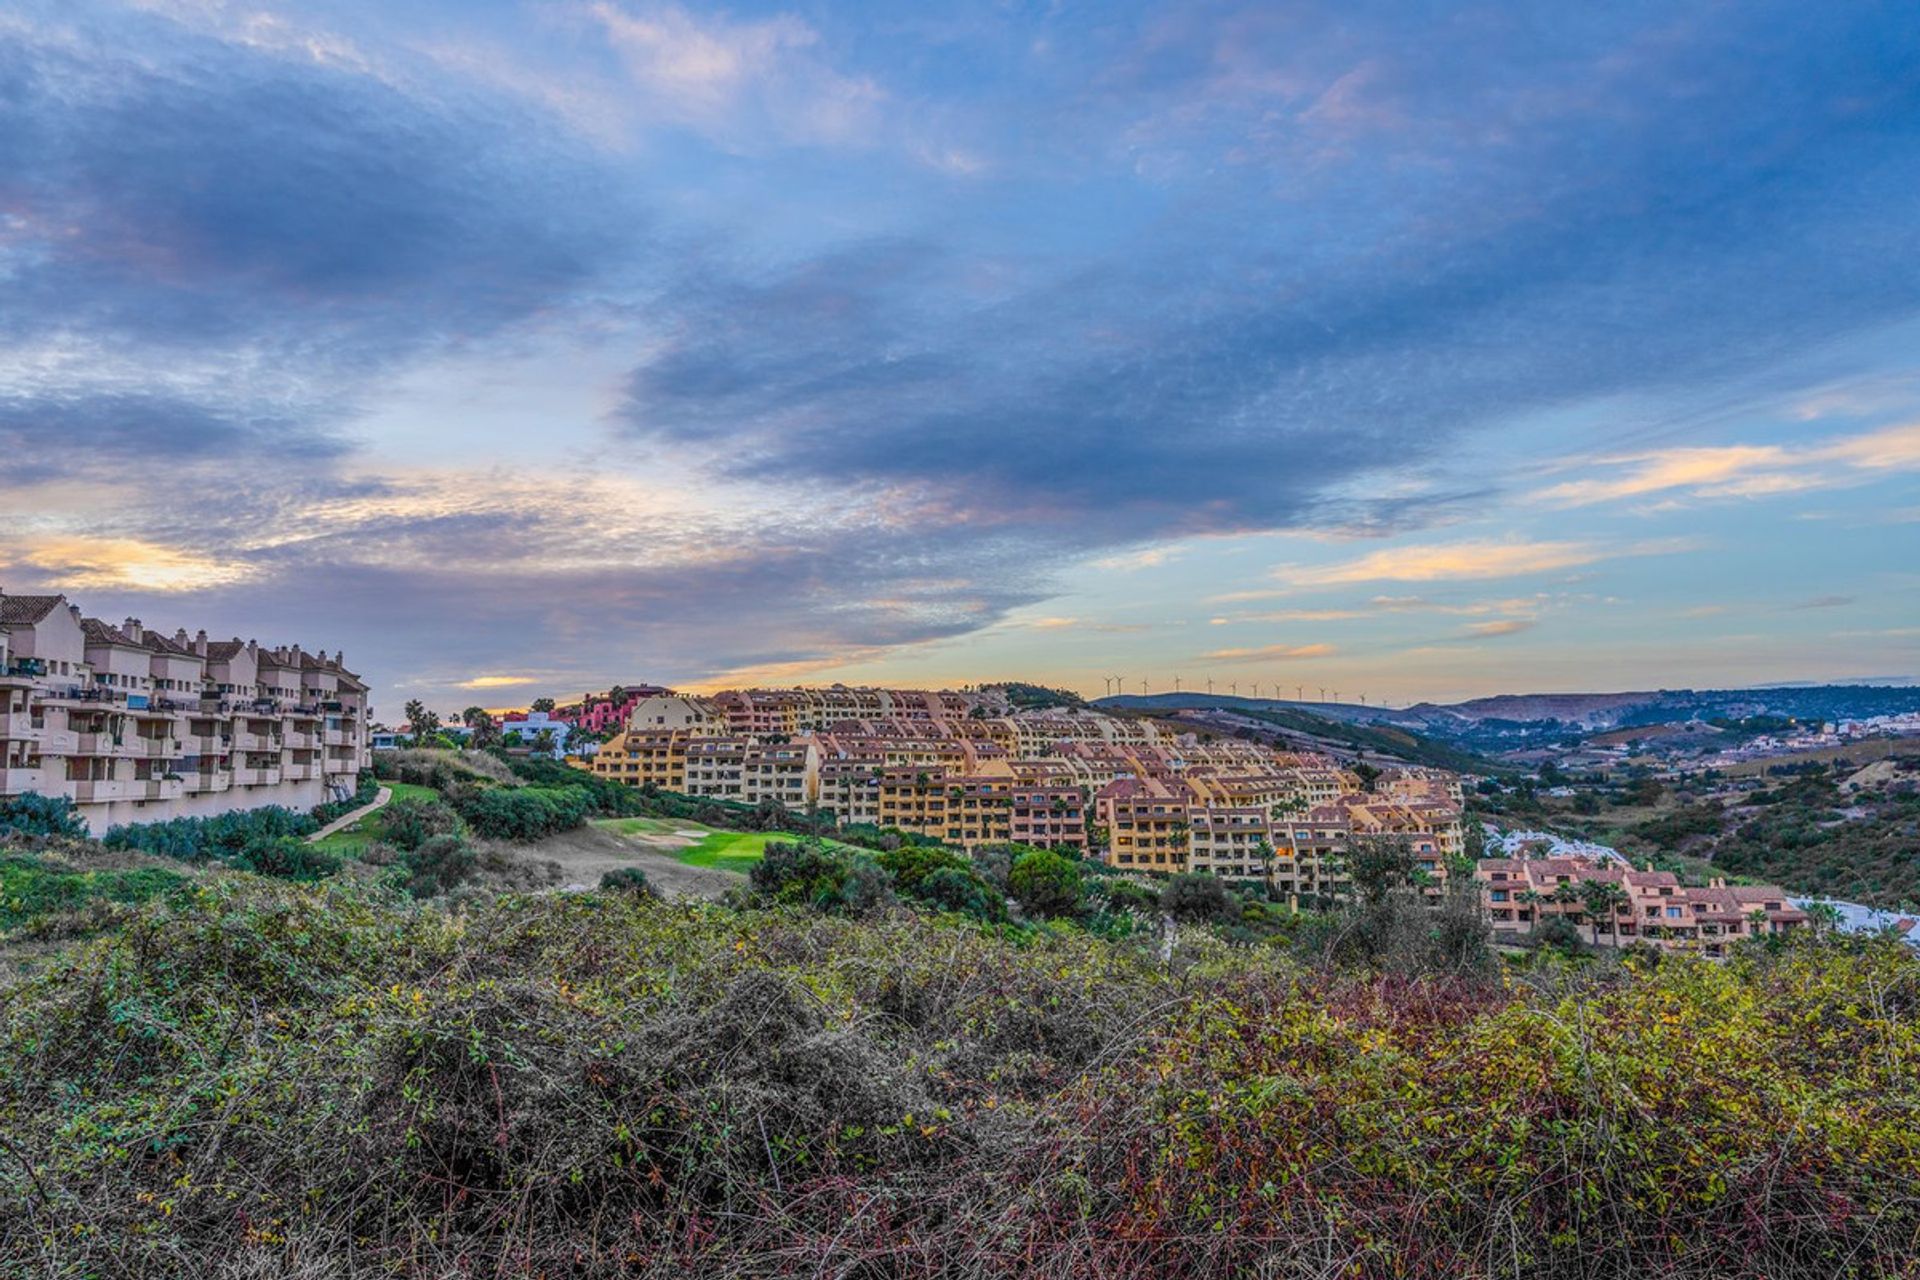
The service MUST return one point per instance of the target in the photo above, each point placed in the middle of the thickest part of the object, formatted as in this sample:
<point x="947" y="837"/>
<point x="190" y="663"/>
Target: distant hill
<point x="1302" y="725"/>
<point x="1510" y="722"/>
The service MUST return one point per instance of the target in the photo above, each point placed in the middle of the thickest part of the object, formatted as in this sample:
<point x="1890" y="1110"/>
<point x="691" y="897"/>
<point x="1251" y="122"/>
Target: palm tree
<point x="1603" y="900"/>
<point x="1263" y="850"/>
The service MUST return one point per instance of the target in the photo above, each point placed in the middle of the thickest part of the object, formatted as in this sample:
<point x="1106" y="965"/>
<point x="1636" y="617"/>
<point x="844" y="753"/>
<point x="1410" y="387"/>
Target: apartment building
<point x="134" y="725"/>
<point x="1614" y="904"/>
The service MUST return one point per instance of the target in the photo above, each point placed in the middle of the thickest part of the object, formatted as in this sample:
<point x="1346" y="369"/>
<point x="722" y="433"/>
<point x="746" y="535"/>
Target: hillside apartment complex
<point x="969" y="770"/>
<point x="1613" y="904"/>
<point x="136" y="726"/>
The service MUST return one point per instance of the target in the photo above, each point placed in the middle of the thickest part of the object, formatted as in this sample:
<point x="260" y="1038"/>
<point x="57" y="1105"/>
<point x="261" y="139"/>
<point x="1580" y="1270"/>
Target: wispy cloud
<point x="1743" y="471"/>
<point x="496" y="682"/>
<point x="1501" y="627"/>
<point x="1271" y="653"/>
<point x="1440" y="562"/>
<point x="1824" y="602"/>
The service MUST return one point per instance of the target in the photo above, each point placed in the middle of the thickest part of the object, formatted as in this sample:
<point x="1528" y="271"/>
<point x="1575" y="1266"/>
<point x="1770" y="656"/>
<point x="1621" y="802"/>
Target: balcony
<point x="16" y="779"/>
<point x="156" y="748"/>
<point x="161" y="789"/>
<point x="242" y="740"/>
<point x="296" y="740"/>
<point x="308" y="772"/>
<point x="22" y="726"/>
<point x="210" y="781"/>
<point x="248" y="777"/>
<point x="103" y="790"/>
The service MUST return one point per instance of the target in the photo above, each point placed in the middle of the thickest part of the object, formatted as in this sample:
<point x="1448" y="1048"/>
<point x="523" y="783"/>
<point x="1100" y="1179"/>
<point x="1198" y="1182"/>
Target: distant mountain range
<point x="1506" y="722"/>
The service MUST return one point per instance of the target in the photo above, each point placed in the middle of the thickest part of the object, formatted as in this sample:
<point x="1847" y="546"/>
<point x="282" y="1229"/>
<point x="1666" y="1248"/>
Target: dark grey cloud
<point x="1485" y="220"/>
<point x="169" y="192"/>
<point x="49" y="435"/>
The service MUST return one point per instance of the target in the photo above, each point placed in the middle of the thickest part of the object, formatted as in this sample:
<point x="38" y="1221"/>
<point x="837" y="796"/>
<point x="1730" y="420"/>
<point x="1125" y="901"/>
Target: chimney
<point x="132" y="627"/>
<point x="200" y="644"/>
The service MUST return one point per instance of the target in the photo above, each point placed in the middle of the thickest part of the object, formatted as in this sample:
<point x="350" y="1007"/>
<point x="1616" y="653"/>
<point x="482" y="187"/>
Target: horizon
<point x="524" y="347"/>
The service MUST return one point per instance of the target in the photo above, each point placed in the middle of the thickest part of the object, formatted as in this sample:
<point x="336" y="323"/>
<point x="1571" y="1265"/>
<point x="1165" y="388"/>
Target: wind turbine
<point x="1336" y="695"/>
<point x="1209" y="686"/>
<point x="1176" y="684"/>
<point x="1323" y="693"/>
<point x="1299" y="693"/>
<point x="1143" y="686"/>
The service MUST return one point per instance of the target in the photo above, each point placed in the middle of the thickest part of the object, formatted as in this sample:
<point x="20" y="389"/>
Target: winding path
<point x="345" y="820"/>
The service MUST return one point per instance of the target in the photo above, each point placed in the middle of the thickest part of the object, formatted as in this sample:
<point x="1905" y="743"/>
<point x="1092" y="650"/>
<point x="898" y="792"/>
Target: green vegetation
<point x="33" y="814"/>
<point x="1022" y="696"/>
<point x="261" y="1078"/>
<point x="365" y="792"/>
<point x="33" y="886"/>
<point x="1378" y="740"/>
<point x="353" y="840"/>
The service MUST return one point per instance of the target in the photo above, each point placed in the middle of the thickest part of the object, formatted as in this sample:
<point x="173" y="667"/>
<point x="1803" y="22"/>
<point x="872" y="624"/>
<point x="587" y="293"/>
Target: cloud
<point x="740" y="82"/>
<point x="496" y="682"/>
<point x="1824" y="602"/>
<point x="1271" y="653"/>
<point x="81" y="563"/>
<point x="1501" y="627"/>
<point x="1746" y="471"/>
<point x="1449" y="561"/>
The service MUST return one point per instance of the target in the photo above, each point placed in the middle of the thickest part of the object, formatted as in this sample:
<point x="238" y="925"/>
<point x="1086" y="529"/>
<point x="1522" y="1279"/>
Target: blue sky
<point x="1413" y="350"/>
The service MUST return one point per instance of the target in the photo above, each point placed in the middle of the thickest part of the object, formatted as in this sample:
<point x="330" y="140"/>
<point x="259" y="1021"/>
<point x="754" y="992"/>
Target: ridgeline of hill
<point x="1309" y="729"/>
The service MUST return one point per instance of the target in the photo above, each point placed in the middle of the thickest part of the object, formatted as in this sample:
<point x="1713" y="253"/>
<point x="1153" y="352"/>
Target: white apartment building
<point x="136" y="726"/>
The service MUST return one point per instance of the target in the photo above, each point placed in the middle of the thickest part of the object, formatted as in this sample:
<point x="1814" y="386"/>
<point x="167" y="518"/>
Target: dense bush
<point x="1045" y="884"/>
<point x="225" y="837"/>
<point x="438" y="864"/>
<point x="525" y="813"/>
<point x="33" y="886"/>
<point x="1197" y="897"/>
<point x="943" y="880"/>
<point x="626" y="880"/>
<point x="408" y="824"/>
<point x="33" y="814"/>
<point x="286" y="858"/>
<point x="260" y="1079"/>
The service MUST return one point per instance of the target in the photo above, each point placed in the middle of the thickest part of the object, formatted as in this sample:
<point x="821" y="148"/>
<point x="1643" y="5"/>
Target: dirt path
<point x="590" y="852"/>
<point x="346" y="820"/>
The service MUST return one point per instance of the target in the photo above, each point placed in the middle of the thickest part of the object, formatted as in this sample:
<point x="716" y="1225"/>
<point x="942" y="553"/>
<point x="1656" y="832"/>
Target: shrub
<point x="524" y="813"/>
<point x="411" y="823"/>
<point x="287" y="858"/>
<point x="32" y="814"/>
<point x="1045" y="884"/>
<point x="438" y="864"/>
<point x="962" y="890"/>
<point x="33" y="887"/>
<point x="225" y="837"/>
<point x="1196" y="897"/>
<point x="626" y="880"/>
<point x="800" y="873"/>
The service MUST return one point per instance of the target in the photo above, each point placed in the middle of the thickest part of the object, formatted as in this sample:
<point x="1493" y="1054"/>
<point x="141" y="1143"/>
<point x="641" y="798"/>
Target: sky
<point x="1419" y="351"/>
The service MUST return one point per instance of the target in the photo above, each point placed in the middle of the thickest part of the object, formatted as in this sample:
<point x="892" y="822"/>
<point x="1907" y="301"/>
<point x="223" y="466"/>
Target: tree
<point x="543" y="704"/>
<point x="423" y="723"/>
<point x="1368" y="774"/>
<point x="1823" y="918"/>
<point x="1603" y="900"/>
<point x="1195" y="896"/>
<point x="1263" y="850"/>
<point x="543" y="742"/>
<point x="1045" y="884"/>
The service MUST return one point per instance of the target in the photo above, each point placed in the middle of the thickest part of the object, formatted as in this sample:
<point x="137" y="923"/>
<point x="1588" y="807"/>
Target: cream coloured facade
<point x="134" y="725"/>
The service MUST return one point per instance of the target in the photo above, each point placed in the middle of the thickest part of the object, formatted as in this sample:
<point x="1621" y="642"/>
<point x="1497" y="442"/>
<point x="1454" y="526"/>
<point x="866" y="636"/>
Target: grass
<point x="715" y="850"/>
<point x="350" y="840"/>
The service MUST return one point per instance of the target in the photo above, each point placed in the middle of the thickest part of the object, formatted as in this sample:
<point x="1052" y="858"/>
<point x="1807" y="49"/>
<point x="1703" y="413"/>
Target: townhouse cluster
<point x="135" y="725"/>
<point x="966" y="768"/>
<point x="1611" y="903"/>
